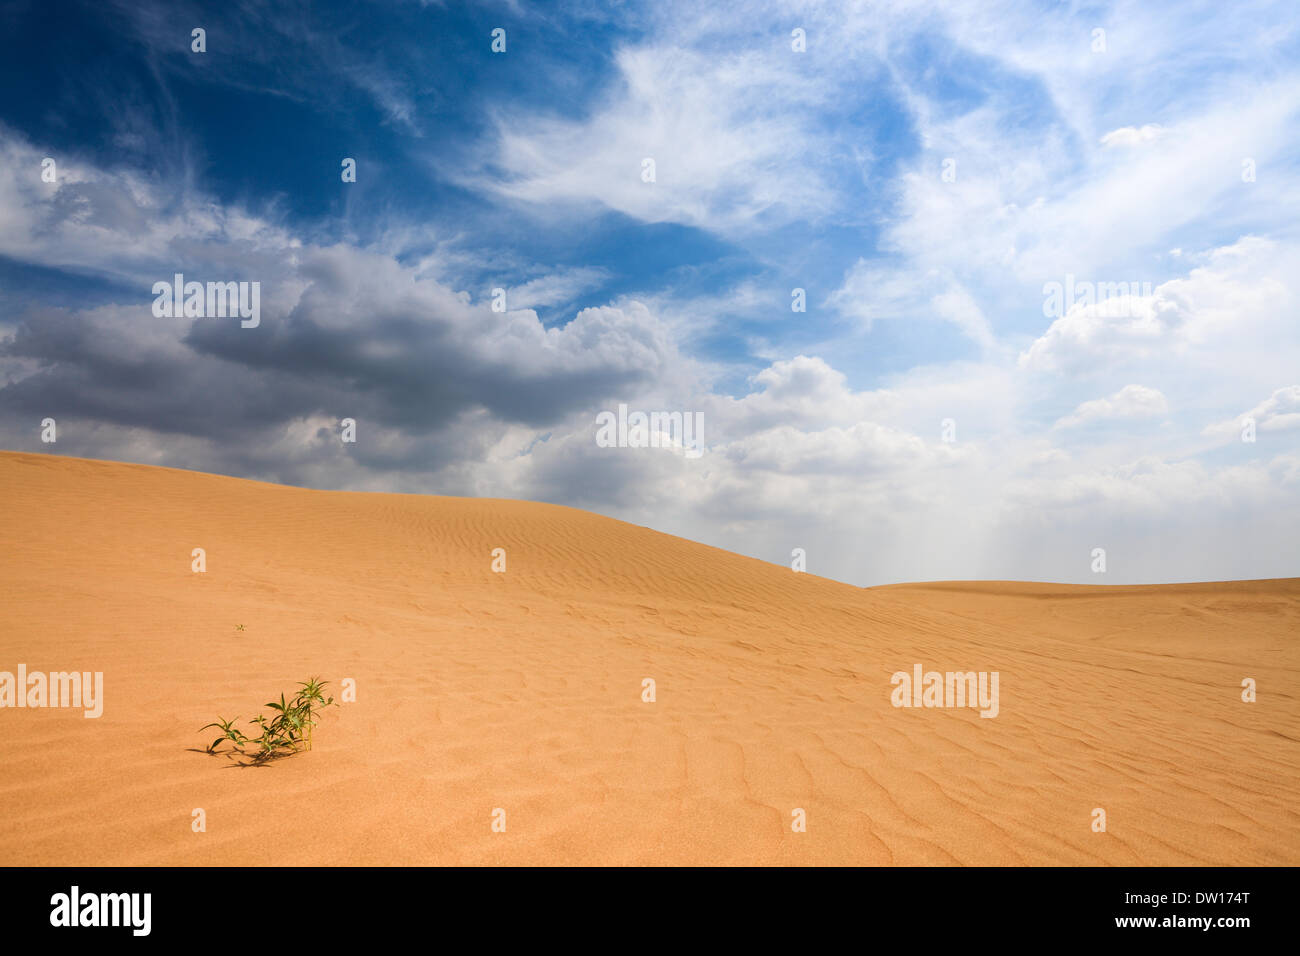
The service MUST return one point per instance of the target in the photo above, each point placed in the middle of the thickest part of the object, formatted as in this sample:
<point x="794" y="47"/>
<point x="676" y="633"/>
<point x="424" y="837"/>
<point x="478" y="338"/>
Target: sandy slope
<point x="523" y="691"/>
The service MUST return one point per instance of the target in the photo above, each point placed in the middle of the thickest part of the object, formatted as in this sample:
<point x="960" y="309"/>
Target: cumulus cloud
<point x="1278" y="413"/>
<point x="1131" y="401"/>
<point x="345" y="333"/>
<point x="119" y="223"/>
<point x="1239" y="290"/>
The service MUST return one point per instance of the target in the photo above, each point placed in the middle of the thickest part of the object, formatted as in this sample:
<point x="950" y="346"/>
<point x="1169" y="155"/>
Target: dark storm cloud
<point x="364" y="338"/>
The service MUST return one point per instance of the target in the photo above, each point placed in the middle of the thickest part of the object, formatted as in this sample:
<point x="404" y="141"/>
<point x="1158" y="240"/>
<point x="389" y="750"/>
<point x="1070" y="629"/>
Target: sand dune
<point x="522" y="690"/>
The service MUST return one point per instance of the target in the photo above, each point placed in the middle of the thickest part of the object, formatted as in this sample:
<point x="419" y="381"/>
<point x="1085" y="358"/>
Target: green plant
<point x="228" y="732"/>
<point x="288" y="731"/>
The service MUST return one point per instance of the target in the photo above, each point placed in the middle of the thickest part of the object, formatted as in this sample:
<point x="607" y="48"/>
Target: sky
<point x="996" y="290"/>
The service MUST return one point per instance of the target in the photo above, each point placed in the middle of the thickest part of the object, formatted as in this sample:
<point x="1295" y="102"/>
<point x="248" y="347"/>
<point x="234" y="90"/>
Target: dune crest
<point x="523" y="691"/>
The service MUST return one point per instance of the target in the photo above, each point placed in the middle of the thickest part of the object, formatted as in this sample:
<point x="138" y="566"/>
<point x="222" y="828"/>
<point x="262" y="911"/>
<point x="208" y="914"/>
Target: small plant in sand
<point x="288" y="731"/>
<point x="239" y="627"/>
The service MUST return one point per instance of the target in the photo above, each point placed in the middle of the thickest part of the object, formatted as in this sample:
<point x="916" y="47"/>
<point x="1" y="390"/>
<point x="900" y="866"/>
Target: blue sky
<point x="923" y="172"/>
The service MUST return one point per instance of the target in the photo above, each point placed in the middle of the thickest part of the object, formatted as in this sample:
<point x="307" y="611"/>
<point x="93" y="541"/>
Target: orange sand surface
<point x="523" y="690"/>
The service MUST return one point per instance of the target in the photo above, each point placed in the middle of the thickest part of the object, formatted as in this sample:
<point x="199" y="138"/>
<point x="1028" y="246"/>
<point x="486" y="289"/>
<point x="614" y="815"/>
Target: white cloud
<point x="556" y="287"/>
<point x="1133" y="135"/>
<point x="1242" y="294"/>
<point x="727" y="131"/>
<point x="878" y="292"/>
<point x="1131" y="401"/>
<point x="1277" y="413"/>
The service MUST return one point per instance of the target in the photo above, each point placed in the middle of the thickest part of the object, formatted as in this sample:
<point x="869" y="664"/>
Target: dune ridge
<point x="522" y="690"/>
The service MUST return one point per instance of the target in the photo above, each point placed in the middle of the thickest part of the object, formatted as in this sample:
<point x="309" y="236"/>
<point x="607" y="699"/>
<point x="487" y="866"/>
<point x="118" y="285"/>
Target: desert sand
<point x="523" y="691"/>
